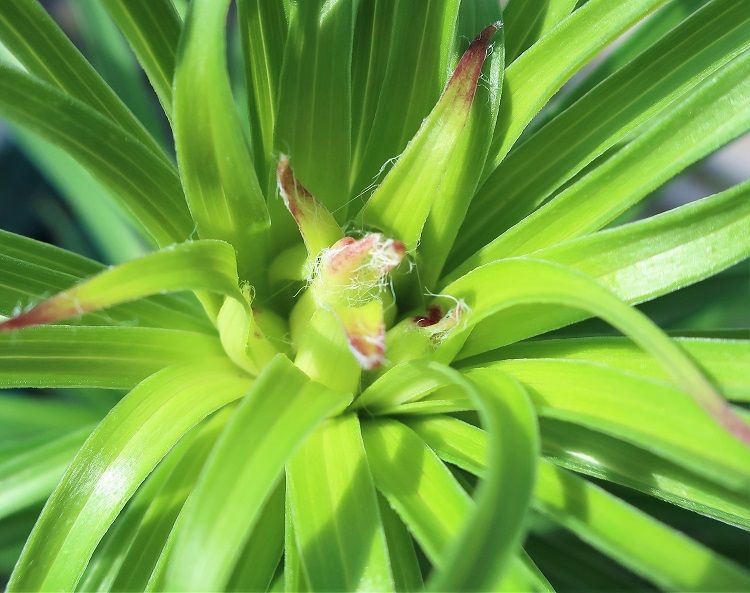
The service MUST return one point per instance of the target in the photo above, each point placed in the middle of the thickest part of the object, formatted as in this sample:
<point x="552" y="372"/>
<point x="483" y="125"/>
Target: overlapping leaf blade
<point x="241" y="474"/>
<point x="338" y="528"/>
<point x="662" y="74"/>
<point x="637" y="262"/>
<point x="116" y="458"/>
<point x="716" y="112"/>
<point x="216" y="165"/>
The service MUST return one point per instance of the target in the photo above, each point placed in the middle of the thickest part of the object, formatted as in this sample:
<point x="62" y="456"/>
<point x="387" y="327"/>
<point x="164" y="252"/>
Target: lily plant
<point x="353" y="353"/>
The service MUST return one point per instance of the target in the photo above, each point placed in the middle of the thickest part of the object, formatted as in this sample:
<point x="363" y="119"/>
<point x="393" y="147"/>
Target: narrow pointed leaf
<point x="659" y="553"/>
<point x="461" y="175"/>
<point x="535" y="77"/>
<point x="526" y="22"/>
<point x="413" y="183"/>
<point x="279" y="411"/>
<point x="314" y="108"/>
<point x="637" y="262"/>
<point x="221" y="187"/>
<point x="116" y="458"/>
<point x="338" y="528"/>
<point x="641" y="90"/>
<point x="717" y="111"/>
<point x="41" y="46"/>
<point x="522" y="281"/>
<point x="107" y="357"/>
<point x="147" y="186"/>
<point x="201" y="265"/>
<point x="152" y="28"/>
<point x="33" y="271"/>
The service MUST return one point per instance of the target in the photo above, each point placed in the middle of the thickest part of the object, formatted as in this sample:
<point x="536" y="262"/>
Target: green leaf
<point x="461" y="175"/>
<point x="505" y="283"/>
<point x="31" y="271"/>
<point x="414" y="182"/>
<point x="609" y="114"/>
<point x="717" y="111"/>
<point x="107" y="357"/>
<point x="109" y="54"/>
<point x="595" y="454"/>
<point x="479" y="556"/>
<point x="649" y="32"/>
<point x="45" y="51"/>
<point x="403" y="55"/>
<point x="261" y="557"/>
<point x="637" y="262"/>
<point x="29" y="477"/>
<point x="407" y="575"/>
<point x="542" y="70"/>
<point x="200" y="265"/>
<point x="216" y="165"/>
<point x="279" y="411"/>
<point x="102" y="218"/>
<point x="633" y="409"/>
<point x="147" y="186"/>
<point x="339" y="533"/>
<point x="525" y="22"/>
<point x="152" y="28"/>
<point x="723" y="361"/>
<point x="314" y="104"/>
<point x="630" y="536"/>
<point x="263" y="29"/>
<point x="116" y="458"/>
<point x="150" y="541"/>
<point x="111" y="552"/>
<point x="417" y="485"/>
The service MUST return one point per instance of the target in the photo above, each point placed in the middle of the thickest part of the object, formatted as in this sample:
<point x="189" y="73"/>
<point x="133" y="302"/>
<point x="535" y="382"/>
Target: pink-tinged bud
<point x="438" y="326"/>
<point x="49" y="311"/>
<point x="317" y="225"/>
<point x="469" y="67"/>
<point x="349" y="279"/>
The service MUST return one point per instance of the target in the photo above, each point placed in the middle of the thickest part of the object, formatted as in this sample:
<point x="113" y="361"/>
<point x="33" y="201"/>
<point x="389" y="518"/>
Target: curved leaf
<point x="504" y="283"/>
<point x="723" y="361"/>
<point x="526" y="22"/>
<point x="337" y="523"/>
<point x="648" y="413"/>
<point x="281" y="408"/>
<point x="152" y="28"/>
<point x="116" y="458"/>
<point x="107" y="357"/>
<point x="717" y="111"/>
<point x="147" y="186"/>
<point x="221" y="187"/>
<point x="627" y="534"/>
<point x="643" y="88"/>
<point x="479" y="555"/>
<point x="638" y="261"/>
